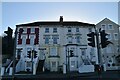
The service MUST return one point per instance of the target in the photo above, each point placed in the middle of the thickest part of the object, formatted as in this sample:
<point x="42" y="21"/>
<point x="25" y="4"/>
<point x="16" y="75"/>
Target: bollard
<point x="64" y="69"/>
<point x="2" y="71"/>
<point x="10" y="71"/>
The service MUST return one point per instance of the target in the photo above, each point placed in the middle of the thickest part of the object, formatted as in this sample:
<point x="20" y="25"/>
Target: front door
<point x="72" y="57"/>
<point x="53" y="65"/>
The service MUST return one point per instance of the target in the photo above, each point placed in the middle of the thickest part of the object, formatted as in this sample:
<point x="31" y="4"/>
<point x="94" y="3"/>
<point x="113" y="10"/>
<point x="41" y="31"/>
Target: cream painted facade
<point x="112" y="50"/>
<point x="57" y="41"/>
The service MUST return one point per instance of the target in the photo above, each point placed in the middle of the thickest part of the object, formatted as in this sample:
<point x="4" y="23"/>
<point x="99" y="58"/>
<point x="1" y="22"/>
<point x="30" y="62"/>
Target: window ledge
<point x="54" y="56"/>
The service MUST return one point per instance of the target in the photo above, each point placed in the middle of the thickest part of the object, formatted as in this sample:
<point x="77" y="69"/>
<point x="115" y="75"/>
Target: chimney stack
<point x="61" y="19"/>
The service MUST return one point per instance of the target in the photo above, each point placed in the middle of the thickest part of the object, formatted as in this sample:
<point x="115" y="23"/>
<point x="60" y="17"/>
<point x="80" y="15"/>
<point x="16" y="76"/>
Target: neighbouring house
<point x="110" y="52"/>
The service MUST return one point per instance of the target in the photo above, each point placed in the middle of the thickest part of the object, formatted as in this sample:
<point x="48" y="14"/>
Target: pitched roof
<point x="106" y="19"/>
<point x="65" y="23"/>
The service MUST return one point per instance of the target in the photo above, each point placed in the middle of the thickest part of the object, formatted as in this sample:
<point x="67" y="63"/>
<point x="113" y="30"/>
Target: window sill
<point x="54" y="56"/>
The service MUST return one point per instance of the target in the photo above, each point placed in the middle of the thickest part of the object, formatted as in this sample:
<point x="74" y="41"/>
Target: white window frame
<point x="28" y="64"/>
<point x="55" y="39"/>
<point x="70" y="39"/>
<point x="54" y="30"/>
<point x="78" y="40"/>
<point x="32" y="30"/>
<point x="73" y="63"/>
<point x="24" y="37"/>
<point x="109" y="27"/>
<point x="54" y="64"/>
<point x="25" y="30"/>
<point x="90" y="29"/>
<point x="32" y="38"/>
<point x="77" y="29"/>
<point x="83" y="52"/>
<point x="46" y="37"/>
<point x="104" y="26"/>
<point x="69" y="28"/>
<point x="116" y="37"/>
<point x="47" y="30"/>
<point x="110" y="37"/>
<point x="53" y="51"/>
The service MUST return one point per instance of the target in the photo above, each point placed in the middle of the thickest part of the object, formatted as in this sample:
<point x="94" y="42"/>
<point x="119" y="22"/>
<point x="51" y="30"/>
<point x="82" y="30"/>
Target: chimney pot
<point x="61" y="19"/>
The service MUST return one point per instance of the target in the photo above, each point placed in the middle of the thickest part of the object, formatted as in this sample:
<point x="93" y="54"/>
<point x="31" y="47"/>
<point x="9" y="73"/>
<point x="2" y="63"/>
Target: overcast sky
<point x="14" y="13"/>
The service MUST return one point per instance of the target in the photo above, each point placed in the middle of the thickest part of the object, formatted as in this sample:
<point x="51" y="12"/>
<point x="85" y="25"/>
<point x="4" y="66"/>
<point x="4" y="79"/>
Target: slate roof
<point x="64" y="23"/>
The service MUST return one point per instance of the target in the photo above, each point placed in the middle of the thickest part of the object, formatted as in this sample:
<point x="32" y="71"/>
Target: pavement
<point x="109" y="75"/>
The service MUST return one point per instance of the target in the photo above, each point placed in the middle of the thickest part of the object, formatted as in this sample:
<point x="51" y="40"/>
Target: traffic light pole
<point x="32" y="60"/>
<point x="98" y="47"/>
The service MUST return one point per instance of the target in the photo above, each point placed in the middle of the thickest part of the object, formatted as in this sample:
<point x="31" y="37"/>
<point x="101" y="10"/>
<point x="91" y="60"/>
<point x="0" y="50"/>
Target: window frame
<point x="69" y="29"/>
<point x="78" y="40"/>
<point x="115" y="37"/>
<point x="73" y="63"/>
<point x="32" y="30"/>
<point x="110" y="37"/>
<point x="46" y="39"/>
<point x="104" y="26"/>
<point x="111" y="26"/>
<point x="54" y="30"/>
<point x="55" y="39"/>
<point x="24" y="37"/>
<point x="77" y="29"/>
<point x="55" y="64"/>
<point x="47" y="30"/>
<point x="53" y="51"/>
<point x="70" y="39"/>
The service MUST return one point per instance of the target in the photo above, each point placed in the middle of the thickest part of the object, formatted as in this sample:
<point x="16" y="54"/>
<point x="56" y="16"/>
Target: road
<point x="109" y="75"/>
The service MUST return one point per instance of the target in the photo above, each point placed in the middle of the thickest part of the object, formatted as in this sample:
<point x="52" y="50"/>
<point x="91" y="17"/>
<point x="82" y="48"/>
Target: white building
<point x="110" y="52"/>
<point x="56" y="43"/>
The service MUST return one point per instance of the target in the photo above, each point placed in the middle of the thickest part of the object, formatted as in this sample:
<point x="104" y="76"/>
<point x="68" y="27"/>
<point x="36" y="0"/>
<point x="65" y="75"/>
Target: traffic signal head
<point x="9" y="32"/>
<point x="29" y="54"/>
<point x="21" y="30"/>
<point x="91" y="39"/>
<point x="104" y="39"/>
<point x="71" y="53"/>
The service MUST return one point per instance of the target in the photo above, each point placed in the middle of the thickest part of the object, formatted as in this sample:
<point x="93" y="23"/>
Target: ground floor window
<point x="28" y="64"/>
<point x="72" y="63"/>
<point x="54" y="64"/>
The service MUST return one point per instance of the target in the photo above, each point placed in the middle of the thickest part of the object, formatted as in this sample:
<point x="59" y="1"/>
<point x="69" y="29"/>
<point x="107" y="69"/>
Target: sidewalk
<point x="55" y="75"/>
<point x="67" y="76"/>
<point x="49" y="75"/>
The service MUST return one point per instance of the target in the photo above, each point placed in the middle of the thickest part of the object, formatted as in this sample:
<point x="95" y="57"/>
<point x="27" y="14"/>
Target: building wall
<point x="111" y="51"/>
<point x="56" y="55"/>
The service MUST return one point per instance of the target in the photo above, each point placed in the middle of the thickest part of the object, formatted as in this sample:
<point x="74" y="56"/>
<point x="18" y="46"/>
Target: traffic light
<point x="71" y="53"/>
<point x="104" y="39"/>
<point x="9" y="41"/>
<point x="21" y="30"/>
<point x="91" y="39"/>
<point x="35" y="53"/>
<point x="9" y="32"/>
<point x="29" y="54"/>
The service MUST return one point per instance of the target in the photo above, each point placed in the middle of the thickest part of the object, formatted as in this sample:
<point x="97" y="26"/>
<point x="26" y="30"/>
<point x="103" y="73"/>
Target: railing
<point x="9" y="66"/>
